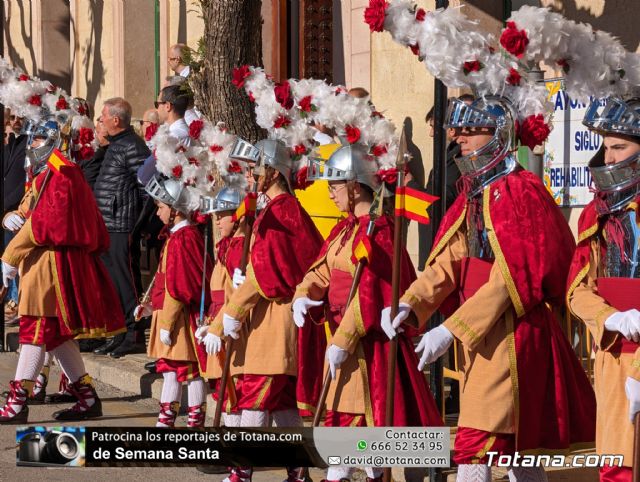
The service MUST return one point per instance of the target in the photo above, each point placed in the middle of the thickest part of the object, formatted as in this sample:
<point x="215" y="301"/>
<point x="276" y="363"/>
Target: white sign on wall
<point x="568" y="150"/>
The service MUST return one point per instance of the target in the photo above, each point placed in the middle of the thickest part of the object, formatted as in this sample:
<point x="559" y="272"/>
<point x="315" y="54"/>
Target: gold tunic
<point x="347" y="392"/>
<point x="36" y="291"/>
<point x="481" y="324"/>
<point x="614" y="430"/>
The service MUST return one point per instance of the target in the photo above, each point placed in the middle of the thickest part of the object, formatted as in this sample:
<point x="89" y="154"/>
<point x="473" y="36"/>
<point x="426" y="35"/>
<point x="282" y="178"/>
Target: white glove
<point x="336" y="357"/>
<point x="632" y="389"/>
<point x="165" y="336"/>
<point x="392" y="328"/>
<point x="231" y="327"/>
<point x="625" y="322"/>
<point x="300" y="308"/>
<point x="8" y="273"/>
<point x="434" y="344"/>
<point x="13" y="222"/>
<point x="212" y="343"/>
<point x="238" y="278"/>
<point x="201" y="333"/>
<point x="142" y="311"/>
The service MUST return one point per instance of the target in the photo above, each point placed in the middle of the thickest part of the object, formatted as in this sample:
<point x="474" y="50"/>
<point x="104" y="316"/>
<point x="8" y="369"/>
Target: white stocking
<point x="197" y="392"/>
<point x="473" y="473"/>
<point x="254" y="418"/>
<point x="70" y="360"/>
<point x="287" y="418"/>
<point x="337" y="473"/>
<point x="30" y="362"/>
<point x="171" y="388"/>
<point x="527" y="474"/>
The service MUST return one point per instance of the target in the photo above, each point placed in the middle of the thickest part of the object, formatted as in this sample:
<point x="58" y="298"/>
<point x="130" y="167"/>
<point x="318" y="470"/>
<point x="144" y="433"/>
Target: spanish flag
<point x="362" y="251"/>
<point x="246" y="208"/>
<point x="57" y="160"/>
<point x="413" y="204"/>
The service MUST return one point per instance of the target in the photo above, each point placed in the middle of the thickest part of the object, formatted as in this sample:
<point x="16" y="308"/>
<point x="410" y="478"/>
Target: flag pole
<point x="398" y="245"/>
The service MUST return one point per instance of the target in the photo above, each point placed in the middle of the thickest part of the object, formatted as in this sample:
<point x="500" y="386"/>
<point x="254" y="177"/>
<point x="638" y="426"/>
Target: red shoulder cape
<point x="285" y="244"/>
<point x="587" y="228"/>
<point x="67" y="219"/>
<point x="183" y="279"/>
<point x="533" y="246"/>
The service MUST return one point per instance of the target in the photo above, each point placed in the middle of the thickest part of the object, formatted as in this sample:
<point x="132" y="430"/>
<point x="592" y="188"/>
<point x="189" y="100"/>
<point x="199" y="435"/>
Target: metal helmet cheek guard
<point x="349" y="163"/>
<point x="619" y="183"/>
<point x="493" y="160"/>
<point x="228" y="199"/>
<point x="265" y="153"/>
<point x="54" y="131"/>
<point x="171" y="192"/>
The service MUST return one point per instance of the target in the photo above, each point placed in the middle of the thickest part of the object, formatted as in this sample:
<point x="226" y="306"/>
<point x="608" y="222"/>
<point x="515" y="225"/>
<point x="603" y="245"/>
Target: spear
<point x="374" y="213"/>
<point x="398" y="245"/>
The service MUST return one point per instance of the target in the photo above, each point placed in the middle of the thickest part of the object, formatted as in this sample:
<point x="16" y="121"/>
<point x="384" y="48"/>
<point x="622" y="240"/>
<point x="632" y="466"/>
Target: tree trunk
<point x="232" y="37"/>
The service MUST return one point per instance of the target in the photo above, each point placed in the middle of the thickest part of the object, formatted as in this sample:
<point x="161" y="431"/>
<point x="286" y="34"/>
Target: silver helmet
<point x="349" y="163"/>
<point x="274" y="153"/>
<point x="170" y="192"/>
<point x="493" y="160"/>
<point x="54" y="133"/>
<point x="618" y="183"/>
<point x="227" y="199"/>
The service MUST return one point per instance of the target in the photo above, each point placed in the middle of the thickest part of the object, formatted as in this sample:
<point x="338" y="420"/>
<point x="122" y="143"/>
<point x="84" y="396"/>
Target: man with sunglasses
<point x="604" y="282"/>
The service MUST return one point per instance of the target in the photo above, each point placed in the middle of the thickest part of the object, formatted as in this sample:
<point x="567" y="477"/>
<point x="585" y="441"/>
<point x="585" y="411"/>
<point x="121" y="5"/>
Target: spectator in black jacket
<point x="120" y="201"/>
<point x="91" y="168"/>
<point x="14" y="179"/>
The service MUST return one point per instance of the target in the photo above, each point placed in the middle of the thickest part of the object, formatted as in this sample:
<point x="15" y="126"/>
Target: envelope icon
<point x="334" y="460"/>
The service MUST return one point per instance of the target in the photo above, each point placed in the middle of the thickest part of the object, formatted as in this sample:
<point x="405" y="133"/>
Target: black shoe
<point x="60" y="397"/>
<point x="72" y="414"/>
<point x="151" y="366"/>
<point x="90" y="344"/>
<point x="127" y="348"/>
<point x="110" y="345"/>
<point x="212" y="469"/>
<point x="38" y="399"/>
<point x="21" y="418"/>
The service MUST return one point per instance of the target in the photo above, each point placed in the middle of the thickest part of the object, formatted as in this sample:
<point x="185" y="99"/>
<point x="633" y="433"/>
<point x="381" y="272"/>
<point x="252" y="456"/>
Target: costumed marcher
<point x="357" y="397"/>
<point x="175" y="302"/>
<point x="228" y="255"/>
<point x="177" y="295"/>
<point x="257" y="316"/>
<point x="498" y="264"/>
<point x="604" y="282"/>
<point x="58" y="257"/>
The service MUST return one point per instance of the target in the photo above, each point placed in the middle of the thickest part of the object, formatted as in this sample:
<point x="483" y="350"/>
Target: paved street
<point x="120" y="409"/>
<point x="126" y="409"/>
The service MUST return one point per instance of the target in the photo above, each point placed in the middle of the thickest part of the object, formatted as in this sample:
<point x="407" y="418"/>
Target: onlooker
<point x="14" y="185"/>
<point x="176" y="62"/>
<point x="120" y="201"/>
<point x="171" y="105"/>
<point x="91" y="168"/>
<point x="358" y="92"/>
<point x="149" y="125"/>
<point x="191" y="113"/>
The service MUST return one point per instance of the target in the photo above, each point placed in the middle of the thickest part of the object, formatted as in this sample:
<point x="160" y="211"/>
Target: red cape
<point x="285" y="244"/>
<point x="414" y="403"/>
<point x="588" y="227"/>
<point x="67" y="219"/>
<point x="533" y="245"/>
<point x="183" y="278"/>
<point x="229" y="252"/>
